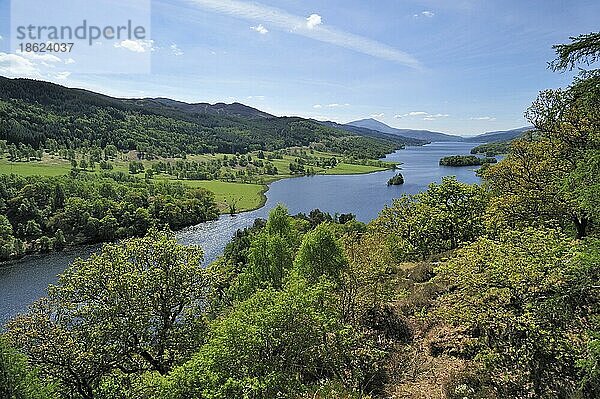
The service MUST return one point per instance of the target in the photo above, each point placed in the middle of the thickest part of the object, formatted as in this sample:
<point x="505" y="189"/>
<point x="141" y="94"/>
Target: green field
<point x="44" y="168"/>
<point x="245" y="196"/>
<point x="351" y="169"/>
<point x="242" y="196"/>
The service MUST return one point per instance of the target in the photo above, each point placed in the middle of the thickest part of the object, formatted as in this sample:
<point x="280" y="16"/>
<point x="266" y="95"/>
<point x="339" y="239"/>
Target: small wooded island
<point x="396" y="180"/>
<point x="466" y="160"/>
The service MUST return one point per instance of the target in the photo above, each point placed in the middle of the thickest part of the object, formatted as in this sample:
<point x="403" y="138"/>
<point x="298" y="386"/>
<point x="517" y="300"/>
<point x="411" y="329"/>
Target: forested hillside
<point x="34" y="113"/>
<point x="462" y="291"/>
<point x="502" y="136"/>
<point x="41" y="214"/>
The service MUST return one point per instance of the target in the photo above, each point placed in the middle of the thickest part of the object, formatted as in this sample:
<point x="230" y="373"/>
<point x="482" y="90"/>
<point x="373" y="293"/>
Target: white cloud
<point x="31" y="65"/>
<point x="435" y="117"/>
<point x="426" y="115"/>
<point x="260" y="98"/>
<point x="417" y="113"/>
<point x="176" y="50"/>
<point x="13" y="65"/>
<point x="313" y="21"/>
<point x="426" y="14"/>
<point x="299" y="25"/>
<point x="63" y="75"/>
<point x="46" y="59"/>
<point x="69" y="61"/>
<point x="1" y="37"/>
<point x="381" y="115"/>
<point x="260" y="29"/>
<point x="136" y="46"/>
<point x="482" y="118"/>
<point x="333" y="105"/>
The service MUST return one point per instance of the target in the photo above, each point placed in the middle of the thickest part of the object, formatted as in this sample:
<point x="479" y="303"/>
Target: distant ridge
<point x="505" y="135"/>
<point x="47" y="93"/>
<point x="235" y="109"/>
<point x="426" y="135"/>
<point x="32" y="112"/>
<point x="363" y="131"/>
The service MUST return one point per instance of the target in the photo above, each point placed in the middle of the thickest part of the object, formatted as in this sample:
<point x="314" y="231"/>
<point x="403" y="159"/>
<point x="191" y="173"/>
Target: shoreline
<point x="274" y="179"/>
<point x="261" y="204"/>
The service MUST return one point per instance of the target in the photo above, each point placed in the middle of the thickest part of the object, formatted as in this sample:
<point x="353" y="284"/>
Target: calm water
<point x="26" y="280"/>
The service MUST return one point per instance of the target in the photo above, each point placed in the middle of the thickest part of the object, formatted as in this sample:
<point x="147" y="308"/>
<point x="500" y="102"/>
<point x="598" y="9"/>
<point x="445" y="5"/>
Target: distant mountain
<point x="505" y="135"/>
<point x="235" y="109"/>
<point x="426" y="135"/>
<point x="363" y="131"/>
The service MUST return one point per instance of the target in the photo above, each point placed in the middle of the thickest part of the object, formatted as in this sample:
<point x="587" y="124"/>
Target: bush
<point x="275" y="344"/>
<point x="17" y="379"/>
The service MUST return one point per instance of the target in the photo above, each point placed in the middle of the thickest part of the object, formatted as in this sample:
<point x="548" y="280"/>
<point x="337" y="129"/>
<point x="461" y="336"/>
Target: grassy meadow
<point x="242" y="196"/>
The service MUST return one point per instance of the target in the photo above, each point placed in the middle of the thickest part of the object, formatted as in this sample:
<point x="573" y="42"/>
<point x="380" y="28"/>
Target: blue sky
<point x="460" y="66"/>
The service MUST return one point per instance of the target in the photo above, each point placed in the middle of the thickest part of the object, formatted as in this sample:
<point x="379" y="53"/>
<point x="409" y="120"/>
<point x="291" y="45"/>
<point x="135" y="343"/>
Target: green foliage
<point x="59" y="211"/>
<point x="583" y="48"/>
<point x="466" y="160"/>
<point x="134" y="307"/>
<point x="59" y="240"/>
<point x="396" y="180"/>
<point x="17" y="379"/>
<point x="320" y="255"/>
<point x="270" y="256"/>
<point x="278" y="222"/>
<point x="275" y="344"/>
<point x="590" y="367"/>
<point x="492" y="149"/>
<point x="38" y="114"/>
<point x="434" y="221"/>
<point x="524" y="298"/>
<point x="535" y="183"/>
<point x="583" y="183"/>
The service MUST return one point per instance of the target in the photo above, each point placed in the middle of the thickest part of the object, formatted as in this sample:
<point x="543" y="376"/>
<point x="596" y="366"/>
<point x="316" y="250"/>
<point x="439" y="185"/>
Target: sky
<point x="462" y="66"/>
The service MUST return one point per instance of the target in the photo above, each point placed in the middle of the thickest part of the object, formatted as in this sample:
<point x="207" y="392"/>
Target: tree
<point x="59" y="240"/>
<point x="540" y="180"/>
<point x="45" y="244"/>
<point x="274" y="344"/>
<point x="437" y="220"/>
<point x="526" y="188"/>
<point x="32" y="229"/>
<point x="133" y="307"/>
<point x="278" y="222"/>
<point x="521" y="300"/>
<point x="17" y="379"/>
<point x="270" y="256"/>
<point x="6" y="229"/>
<point x="583" y="48"/>
<point x="320" y="254"/>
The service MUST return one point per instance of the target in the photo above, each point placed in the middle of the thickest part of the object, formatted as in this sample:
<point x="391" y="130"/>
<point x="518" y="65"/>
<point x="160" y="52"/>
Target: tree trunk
<point x="581" y="226"/>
